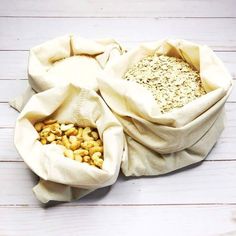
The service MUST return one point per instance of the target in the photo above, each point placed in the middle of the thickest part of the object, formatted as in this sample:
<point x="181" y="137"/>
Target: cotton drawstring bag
<point x="159" y="143"/>
<point x="67" y="59"/>
<point x="61" y="178"/>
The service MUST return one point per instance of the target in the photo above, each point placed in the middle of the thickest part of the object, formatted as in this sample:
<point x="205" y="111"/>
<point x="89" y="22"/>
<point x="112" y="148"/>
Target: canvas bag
<point x="64" y="60"/>
<point x="161" y="143"/>
<point x="63" y="179"/>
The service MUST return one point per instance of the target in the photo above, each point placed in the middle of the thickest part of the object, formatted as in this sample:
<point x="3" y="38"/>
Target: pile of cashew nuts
<point x="79" y="144"/>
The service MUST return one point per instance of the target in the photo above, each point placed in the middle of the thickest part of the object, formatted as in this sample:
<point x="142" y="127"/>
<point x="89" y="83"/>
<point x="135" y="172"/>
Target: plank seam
<point x="234" y="78"/>
<point x="118" y="17"/>
<point x="27" y="50"/>
<point x="59" y="204"/>
<point x="205" y="160"/>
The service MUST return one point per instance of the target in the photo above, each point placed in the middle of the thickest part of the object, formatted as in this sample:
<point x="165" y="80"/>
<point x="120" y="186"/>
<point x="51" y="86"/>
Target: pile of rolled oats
<point x="79" y="144"/>
<point x="172" y="81"/>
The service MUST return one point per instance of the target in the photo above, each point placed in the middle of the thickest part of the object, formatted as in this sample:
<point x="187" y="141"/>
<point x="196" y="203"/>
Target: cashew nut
<point x="86" y="159"/>
<point x="81" y="152"/>
<point x="39" y="126"/>
<point x="66" y="127"/>
<point x="80" y="132"/>
<point x="72" y="138"/>
<point x="45" y="132"/>
<point x="75" y="145"/>
<point x="49" y="121"/>
<point x="98" y="162"/>
<point x="95" y="149"/>
<point x="66" y="142"/>
<point x="99" y="142"/>
<point x="59" y="142"/>
<point x="43" y="141"/>
<point x="55" y="128"/>
<point x="88" y="144"/>
<point x="51" y="137"/>
<point x="96" y="156"/>
<point x="72" y="131"/>
<point x="58" y="137"/>
<point x="68" y="153"/>
<point x="94" y="134"/>
<point x="85" y="134"/>
<point x="78" y="157"/>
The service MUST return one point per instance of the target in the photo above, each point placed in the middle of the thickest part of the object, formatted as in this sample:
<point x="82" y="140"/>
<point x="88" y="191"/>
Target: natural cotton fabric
<point x="67" y="59"/>
<point x="160" y="143"/>
<point x="63" y="179"/>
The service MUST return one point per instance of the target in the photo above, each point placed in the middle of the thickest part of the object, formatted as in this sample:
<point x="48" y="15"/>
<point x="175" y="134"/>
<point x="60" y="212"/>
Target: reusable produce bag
<point x="64" y="179"/>
<point x="64" y="60"/>
<point x="158" y="142"/>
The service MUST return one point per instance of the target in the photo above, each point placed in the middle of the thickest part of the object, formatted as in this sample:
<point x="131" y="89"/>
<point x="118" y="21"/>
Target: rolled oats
<point x="172" y="81"/>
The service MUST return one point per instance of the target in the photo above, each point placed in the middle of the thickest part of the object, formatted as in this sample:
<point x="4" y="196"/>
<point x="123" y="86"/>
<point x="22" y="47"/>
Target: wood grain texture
<point x="223" y="150"/>
<point x="196" y="201"/>
<point x="14" y="64"/>
<point x="10" y="89"/>
<point x="121" y="8"/>
<point x="142" y="220"/>
<point x="205" y="183"/>
<point x="8" y="116"/>
<point x="23" y="33"/>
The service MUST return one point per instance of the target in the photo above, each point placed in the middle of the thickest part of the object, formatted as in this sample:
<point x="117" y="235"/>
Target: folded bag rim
<point x="131" y="101"/>
<point x="182" y="132"/>
<point x="43" y="57"/>
<point x="136" y="90"/>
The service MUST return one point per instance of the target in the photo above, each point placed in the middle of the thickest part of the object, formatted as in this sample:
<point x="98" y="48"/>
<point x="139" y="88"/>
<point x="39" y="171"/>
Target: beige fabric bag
<point x="64" y="60"/>
<point x="63" y="179"/>
<point x="160" y="143"/>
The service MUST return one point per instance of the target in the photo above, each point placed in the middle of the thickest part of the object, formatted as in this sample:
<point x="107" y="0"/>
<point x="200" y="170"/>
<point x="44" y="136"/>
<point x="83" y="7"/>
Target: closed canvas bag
<point x="64" y="60"/>
<point x="160" y="143"/>
<point x="63" y="179"/>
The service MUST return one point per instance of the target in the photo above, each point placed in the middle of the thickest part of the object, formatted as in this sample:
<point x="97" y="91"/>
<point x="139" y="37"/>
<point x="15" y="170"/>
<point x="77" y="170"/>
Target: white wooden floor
<point x="197" y="201"/>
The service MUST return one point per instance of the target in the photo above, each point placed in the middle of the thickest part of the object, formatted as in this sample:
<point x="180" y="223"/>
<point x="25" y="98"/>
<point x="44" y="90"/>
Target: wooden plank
<point x="14" y="63"/>
<point x="8" y="151"/>
<point x="228" y="59"/>
<point x="22" y="33"/>
<point x="8" y="116"/>
<point x="122" y="8"/>
<point x="209" y="183"/>
<point x="223" y="150"/>
<point x="129" y="220"/>
<point x="9" y="89"/>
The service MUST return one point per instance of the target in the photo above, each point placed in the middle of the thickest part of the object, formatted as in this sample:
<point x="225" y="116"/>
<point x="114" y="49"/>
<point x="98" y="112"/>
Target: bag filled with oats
<point x="64" y="60"/>
<point x="71" y="140"/>
<point x="169" y="97"/>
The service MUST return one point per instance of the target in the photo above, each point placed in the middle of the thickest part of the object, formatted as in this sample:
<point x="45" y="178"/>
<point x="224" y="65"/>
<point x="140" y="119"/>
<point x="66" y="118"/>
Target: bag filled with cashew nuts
<point x="169" y="97"/>
<point x="64" y="60"/>
<point x="71" y="140"/>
